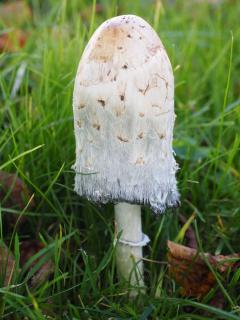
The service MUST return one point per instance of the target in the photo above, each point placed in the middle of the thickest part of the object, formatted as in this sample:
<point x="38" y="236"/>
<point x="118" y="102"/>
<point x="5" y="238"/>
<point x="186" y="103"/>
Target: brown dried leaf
<point x="43" y="273"/>
<point x="12" y="41"/>
<point x="7" y="265"/>
<point x="15" y="190"/>
<point x="29" y="249"/>
<point x="218" y="301"/>
<point x="15" y="13"/>
<point x="189" y="269"/>
<point x="14" y="194"/>
<point x="189" y="234"/>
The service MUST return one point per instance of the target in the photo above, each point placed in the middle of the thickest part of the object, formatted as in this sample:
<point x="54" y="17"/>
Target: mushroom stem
<point x="128" y="224"/>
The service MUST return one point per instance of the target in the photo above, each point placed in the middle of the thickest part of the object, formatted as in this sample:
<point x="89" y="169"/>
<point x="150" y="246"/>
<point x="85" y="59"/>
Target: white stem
<point x="129" y="257"/>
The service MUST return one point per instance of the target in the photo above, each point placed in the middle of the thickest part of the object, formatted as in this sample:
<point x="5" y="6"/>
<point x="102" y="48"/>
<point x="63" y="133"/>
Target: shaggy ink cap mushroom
<point x="124" y="116"/>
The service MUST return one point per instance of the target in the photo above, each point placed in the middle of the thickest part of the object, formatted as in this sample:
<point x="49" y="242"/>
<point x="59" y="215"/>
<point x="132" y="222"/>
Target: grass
<point x="37" y="142"/>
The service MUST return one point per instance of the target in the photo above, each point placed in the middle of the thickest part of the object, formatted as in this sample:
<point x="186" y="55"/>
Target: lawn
<point x="37" y="142"/>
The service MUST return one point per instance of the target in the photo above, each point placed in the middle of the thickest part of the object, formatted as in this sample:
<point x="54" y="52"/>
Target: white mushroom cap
<point x="124" y="115"/>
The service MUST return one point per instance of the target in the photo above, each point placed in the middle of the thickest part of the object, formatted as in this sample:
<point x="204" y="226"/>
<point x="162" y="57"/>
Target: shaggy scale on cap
<point x="124" y="116"/>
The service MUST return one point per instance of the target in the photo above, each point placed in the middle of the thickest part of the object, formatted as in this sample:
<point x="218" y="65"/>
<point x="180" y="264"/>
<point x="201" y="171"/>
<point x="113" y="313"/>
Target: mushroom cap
<point x="123" y="105"/>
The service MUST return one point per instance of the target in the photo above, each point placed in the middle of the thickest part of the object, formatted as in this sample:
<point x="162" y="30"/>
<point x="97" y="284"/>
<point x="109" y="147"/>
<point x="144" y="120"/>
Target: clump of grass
<point x="37" y="142"/>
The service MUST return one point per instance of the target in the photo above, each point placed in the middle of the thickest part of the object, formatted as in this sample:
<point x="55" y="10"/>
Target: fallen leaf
<point x="15" y="13"/>
<point x="14" y="194"/>
<point x="7" y="265"/>
<point x="189" y="268"/>
<point x="13" y="40"/>
<point x="15" y="191"/>
<point x="27" y="250"/>
<point x="189" y="234"/>
<point x="43" y="273"/>
<point x="185" y="227"/>
<point x="218" y="301"/>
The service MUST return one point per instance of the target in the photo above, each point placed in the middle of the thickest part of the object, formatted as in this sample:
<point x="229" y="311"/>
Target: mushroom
<point x="123" y="105"/>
